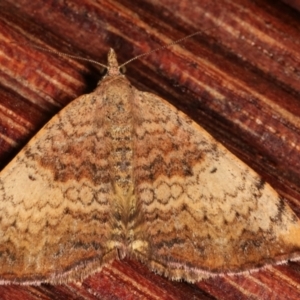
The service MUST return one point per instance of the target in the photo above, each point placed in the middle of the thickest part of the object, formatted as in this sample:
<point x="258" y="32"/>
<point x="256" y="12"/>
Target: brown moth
<point x="120" y="172"/>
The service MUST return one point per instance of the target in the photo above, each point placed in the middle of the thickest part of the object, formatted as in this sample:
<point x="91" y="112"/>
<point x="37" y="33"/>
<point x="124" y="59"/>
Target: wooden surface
<point x="239" y="79"/>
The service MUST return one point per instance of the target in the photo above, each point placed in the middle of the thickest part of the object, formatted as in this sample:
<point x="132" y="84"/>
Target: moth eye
<point x="123" y="70"/>
<point x="103" y="71"/>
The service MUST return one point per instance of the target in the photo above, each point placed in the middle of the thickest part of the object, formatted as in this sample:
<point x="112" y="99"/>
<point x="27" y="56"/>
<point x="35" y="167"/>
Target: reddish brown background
<point x="239" y="79"/>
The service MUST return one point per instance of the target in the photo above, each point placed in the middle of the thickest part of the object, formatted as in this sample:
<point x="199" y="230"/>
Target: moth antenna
<point x="123" y="65"/>
<point x="70" y="56"/>
<point x="160" y="48"/>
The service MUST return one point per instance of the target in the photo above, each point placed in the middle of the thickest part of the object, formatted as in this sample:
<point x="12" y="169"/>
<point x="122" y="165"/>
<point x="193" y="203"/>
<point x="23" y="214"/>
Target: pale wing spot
<point x="147" y="195"/>
<point x="86" y="193"/>
<point x="72" y="194"/>
<point x="176" y="190"/>
<point x="162" y="193"/>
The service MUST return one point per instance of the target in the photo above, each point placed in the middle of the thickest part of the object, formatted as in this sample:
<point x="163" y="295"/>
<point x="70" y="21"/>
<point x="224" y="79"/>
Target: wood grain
<point x="239" y="79"/>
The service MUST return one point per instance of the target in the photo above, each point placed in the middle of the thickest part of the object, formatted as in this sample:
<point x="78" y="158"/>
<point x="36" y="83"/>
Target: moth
<point x="120" y="172"/>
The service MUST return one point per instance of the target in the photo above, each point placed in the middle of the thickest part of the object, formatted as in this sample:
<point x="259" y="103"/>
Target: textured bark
<point x="239" y="79"/>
